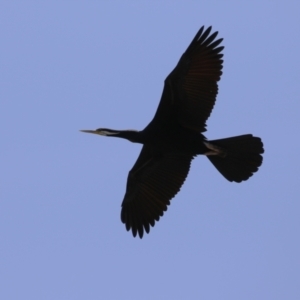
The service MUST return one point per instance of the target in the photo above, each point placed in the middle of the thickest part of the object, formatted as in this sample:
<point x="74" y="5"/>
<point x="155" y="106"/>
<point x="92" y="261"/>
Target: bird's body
<point x="174" y="137"/>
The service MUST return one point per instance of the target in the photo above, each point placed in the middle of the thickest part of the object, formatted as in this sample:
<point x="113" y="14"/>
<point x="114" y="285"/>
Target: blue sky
<point x="70" y="65"/>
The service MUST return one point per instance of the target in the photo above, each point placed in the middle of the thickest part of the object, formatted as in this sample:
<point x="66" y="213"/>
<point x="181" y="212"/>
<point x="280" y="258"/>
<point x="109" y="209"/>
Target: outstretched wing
<point x="191" y="88"/>
<point x="152" y="182"/>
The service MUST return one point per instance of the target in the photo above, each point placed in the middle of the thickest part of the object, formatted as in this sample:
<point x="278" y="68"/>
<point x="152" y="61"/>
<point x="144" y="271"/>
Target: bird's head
<point x="103" y="131"/>
<point x="131" y="135"/>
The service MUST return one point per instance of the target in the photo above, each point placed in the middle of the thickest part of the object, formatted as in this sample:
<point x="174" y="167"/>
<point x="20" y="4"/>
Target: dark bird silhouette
<point x="174" y="137"/>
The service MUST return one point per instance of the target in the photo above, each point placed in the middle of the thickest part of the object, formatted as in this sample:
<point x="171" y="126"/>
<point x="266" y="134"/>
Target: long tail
<point x="236" y="158"/>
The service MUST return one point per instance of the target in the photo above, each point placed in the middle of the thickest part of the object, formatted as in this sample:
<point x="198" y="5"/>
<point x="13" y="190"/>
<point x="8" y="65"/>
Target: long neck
<point x="131" y="135"/>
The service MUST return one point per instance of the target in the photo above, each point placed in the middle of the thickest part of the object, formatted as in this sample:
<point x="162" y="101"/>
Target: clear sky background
<point x="70" y="65"/>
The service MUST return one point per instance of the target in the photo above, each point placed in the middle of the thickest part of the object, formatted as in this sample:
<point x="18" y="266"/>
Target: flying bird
<point x="175" y="137"/>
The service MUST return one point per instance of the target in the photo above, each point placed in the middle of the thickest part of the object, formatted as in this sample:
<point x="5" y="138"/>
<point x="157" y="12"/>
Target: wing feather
<point x="152" y="182"/>
<point x="191" y="88"/>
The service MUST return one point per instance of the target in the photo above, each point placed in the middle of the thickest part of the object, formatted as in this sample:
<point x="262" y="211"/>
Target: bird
<point x="174" y="137"/>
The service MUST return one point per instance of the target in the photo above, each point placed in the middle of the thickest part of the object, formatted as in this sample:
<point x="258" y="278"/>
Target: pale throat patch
<point x="104" y="132"/>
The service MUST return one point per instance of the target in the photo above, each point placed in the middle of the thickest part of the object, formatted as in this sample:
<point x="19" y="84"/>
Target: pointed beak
<point x="90" y="131"/>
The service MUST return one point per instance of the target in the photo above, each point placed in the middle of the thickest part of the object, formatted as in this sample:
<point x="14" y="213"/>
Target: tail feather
<point x="242" y="156"/>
